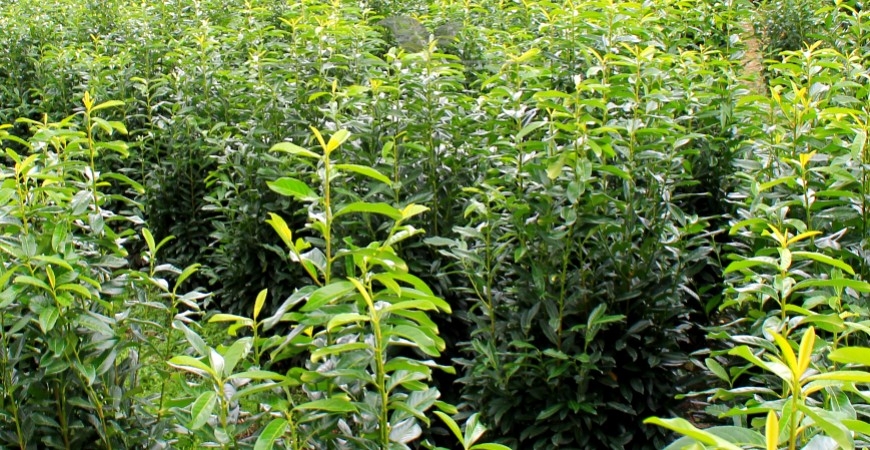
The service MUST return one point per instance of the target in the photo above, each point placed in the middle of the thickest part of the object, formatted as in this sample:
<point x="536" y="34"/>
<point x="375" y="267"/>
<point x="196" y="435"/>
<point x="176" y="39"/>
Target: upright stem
<point x="327" y="234"/>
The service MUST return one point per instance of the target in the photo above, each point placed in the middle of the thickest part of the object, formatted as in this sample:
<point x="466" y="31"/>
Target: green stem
<point x="327" y="233"/>
<point x="380" y="374"/>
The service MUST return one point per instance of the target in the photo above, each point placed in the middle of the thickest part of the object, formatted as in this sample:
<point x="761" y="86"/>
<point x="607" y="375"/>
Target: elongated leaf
<point x="230" y="318"/>
<point x="196" y="341"/>
<point x="851" y="376"/>
<point x="802" y="236"/>
<point x="831" y="425"/>
<point x="271" y="432"/>
<point x="365" y="171"/>
<point x="806" y="350"/>
<point x="454" y="427"/>
<point x="48" y="318"/>
<point x="318" y="354"/>
<point x="858" y="426"/>
<point x="771" y="431"/>
<point x="291" y="187"/>
<point x="420" y="339"/>
<point x="383" y="209"/>
<point x="840" y="283"/>
<point x="405" y="431"/>
<point x="235" y="353"/>
<point x="336" y="140"/>
<point x="185" y="274"/>
<point x="824" y="259"/>
<point x="26" y="279"/>
<point x="412" y="210"/>
<point x="474" y="429"/>
<point x="717" y="369"/>
<point x="529" y="128"/>
<point x="275" y="429"/>
<point x="361" y="289"/>
<point x="613" y="170"/>
<point x="202" y="409"/>
<point x="328" y="294"/>
<point x="745" y="353"/>
<point x="108" y="104"/>
<point x="343" y="319"/>
<point x="751" y="262"/>
<point x="851" y="355"/>
<point x="259" y="302"/>
<point x="192" y="365"/>
<point x="257" y="375"/>
<point x="787" y="353"/>
<point x="53" y="260"/>
<point x="684" y="427"/>
<point x="335" y="404"/>
<point x="77" y="288"/>
<point x="293" y="149"/>
<point x="126" y="180"/>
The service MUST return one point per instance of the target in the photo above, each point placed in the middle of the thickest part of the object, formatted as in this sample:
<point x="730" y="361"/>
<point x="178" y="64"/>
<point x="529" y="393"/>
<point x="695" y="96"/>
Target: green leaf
<point x="258" y="304"/>
<point x="291" y="187"/>
<point x="405" y="431"/>
<point x="831" y="425"/>
<point x="270" y="433"/>
<point x="374" y="208"/>
<point x="343" y="319"/>
<point x="366" y="172"/>
<point x="53" y="260"/>
<point x="282" y="229"/>
<point x="235" y="353"/>
<point x="529" y="128"/>
<point x="293" y="149"/>
<point x="613" y="170"/>
<point x="419" y="338"/>
<point x="412" y="210"/>
<point x="327" y="294"/>
<point x="126" y="180"/>
<point x="77" y="288"/>
<point x="87" y="371"/>
<point x="230" y="318"/>
<point x="336" y="140"/>
<point x="851" y="355"/>
<point x="739" y="436"/>
<point x="684" y="427"/>
<point x="257" y="375"/>
<point x="838" y="283"/>
<point x="452" y="425"/>
<point x="193" y="338"/>
<point x="338" y="348"/>
<point x="849" y="376"/>
<point x="335" y="404"/>
<point x="717" y="369"/>
<point x="751" y="262"/>
<point x="201" y="410"/>
<point x="47" y="318"/>
<point x="489" y="446"/>
<point x="185" y="274"/>
<point x="108" y="104"/>
<point x="414" y="305"/>
<point x="526" y="57"/>
<point x="744" y="352"/>
<point x="824" y="259"/>
<point x="192" y="365"/>
<point x="26" y="279"/>
<point x="858" y="426"/>
<point x="149" y="239"/>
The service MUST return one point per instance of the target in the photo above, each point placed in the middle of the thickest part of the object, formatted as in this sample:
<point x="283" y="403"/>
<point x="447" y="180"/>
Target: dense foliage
<point x="332" y="224"/>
